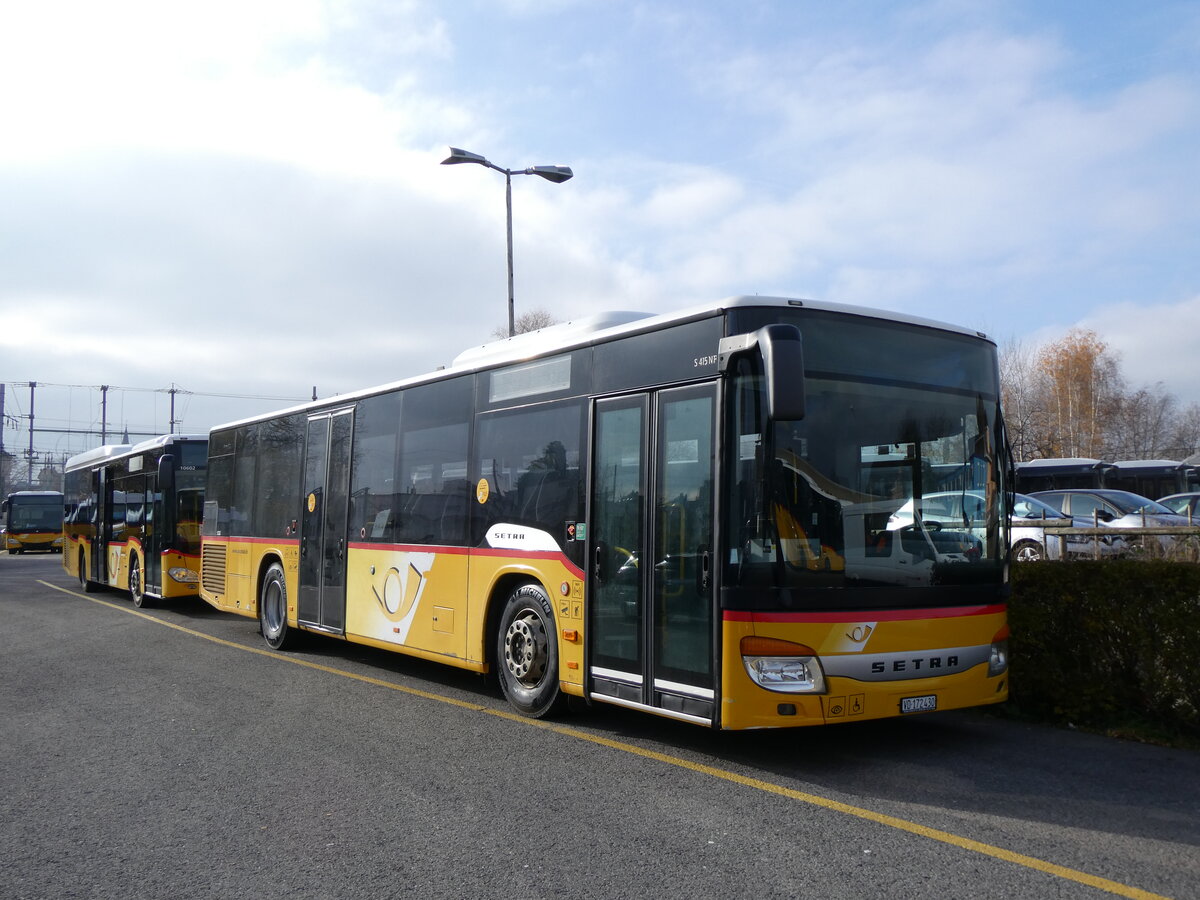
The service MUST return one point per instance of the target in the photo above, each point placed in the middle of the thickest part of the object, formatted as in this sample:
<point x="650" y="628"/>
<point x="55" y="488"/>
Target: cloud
<point x="1157" y="342"/>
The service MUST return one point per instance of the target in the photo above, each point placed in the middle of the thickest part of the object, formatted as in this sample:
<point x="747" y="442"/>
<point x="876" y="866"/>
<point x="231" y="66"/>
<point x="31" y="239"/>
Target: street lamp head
<point x="557" y="174"/>
<point x="464" y="156"/>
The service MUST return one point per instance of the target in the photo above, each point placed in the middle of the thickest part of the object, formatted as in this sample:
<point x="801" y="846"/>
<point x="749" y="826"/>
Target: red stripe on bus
<point x="411" y="548"/>
<point x="855" y="615"/>
<point x="251" y="540"/>
<point x="555" y="555"/>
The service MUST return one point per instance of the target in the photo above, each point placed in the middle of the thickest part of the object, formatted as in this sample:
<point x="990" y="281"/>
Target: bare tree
<point x="530" y="321"/>
<point x="1143" y="424"/>
<point x="1185" y="438"/>
<point x="1019" y="398"/>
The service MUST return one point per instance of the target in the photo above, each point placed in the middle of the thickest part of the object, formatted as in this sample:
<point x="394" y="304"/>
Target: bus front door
<point x="650" y="625"/>
<point x="322" y="602"/>
<point x="152" y="542"/>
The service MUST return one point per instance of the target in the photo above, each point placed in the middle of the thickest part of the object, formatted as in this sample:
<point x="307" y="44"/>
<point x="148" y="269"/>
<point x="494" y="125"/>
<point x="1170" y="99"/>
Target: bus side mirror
<point x="166" y="474"/>
<point x="165" y="489"/>
<point x="782" y="351"/>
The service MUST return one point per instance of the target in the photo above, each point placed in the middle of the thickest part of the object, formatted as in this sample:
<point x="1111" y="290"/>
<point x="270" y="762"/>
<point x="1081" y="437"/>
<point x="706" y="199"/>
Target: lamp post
<point x="557" y="174"/>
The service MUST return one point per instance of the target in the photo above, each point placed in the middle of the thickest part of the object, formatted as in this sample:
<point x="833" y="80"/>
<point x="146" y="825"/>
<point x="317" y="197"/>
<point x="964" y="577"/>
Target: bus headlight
<point x="183" y="575"/>
<point x="998" y="660"/>
<point x="783" y="666"/>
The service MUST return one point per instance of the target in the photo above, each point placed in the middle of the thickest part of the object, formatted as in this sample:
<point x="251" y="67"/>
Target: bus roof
<point x="110" y="452"/>
<point x="597" y="329"/>
<point x="33" y="494"/>
<point x="1147" y="464"/>
<point x="1066" y="463"/>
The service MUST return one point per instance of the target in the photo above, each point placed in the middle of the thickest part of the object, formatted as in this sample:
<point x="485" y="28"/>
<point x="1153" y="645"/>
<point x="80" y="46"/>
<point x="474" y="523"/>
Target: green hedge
<point x="1111" y="646"/>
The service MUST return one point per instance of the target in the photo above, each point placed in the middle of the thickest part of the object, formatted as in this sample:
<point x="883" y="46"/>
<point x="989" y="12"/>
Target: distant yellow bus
<point x="687" y="514"/>
<point x="33" y="522"/>
<point x="132" y="519"/>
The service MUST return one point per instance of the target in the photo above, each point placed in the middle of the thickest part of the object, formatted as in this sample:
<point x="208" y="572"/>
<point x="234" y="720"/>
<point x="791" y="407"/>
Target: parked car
<point x="1184" y="505"/>
<point x="1114" y="509"/>
<point x="1027" y="524"/>
<point x="1028" y="533"/>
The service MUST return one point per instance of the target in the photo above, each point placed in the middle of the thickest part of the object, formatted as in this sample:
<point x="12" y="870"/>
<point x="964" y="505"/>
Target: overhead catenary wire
<point x="39" y="435"/>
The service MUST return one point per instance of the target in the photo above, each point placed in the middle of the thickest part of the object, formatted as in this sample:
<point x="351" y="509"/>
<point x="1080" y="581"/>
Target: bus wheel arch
<point x="272" y="605"/>
<point x="526" y="648"/>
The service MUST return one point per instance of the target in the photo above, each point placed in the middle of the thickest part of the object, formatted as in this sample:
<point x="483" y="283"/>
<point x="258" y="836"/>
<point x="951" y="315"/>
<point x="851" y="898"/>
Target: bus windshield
<point x="889" y="482"/>
<point x="34" y="514"/>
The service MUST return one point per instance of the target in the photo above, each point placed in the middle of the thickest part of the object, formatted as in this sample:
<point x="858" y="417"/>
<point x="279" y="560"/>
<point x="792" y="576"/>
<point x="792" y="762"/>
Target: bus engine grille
<point x="212" y="568"/>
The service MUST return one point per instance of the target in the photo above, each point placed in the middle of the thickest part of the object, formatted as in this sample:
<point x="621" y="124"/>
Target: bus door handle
<point x="598" y="554"/>
<point x="341" y="548"/>
<point x="705" y="572"/>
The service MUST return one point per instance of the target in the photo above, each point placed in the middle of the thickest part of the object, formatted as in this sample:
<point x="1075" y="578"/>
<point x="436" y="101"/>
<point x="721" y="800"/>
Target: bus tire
<point x="272" y="609"/>
<point x="89" y="587"/>
<point x="527" y="653"/>
<point x="137" y="588"/>
<point x="1028" y="551"/>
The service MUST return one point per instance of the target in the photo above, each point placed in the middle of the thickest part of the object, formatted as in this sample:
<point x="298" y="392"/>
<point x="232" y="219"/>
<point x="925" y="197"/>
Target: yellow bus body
<point x="429" y="602"/>
<point x="434" y="603"/>
<point x="845" y="635"/>
<point x="80" y="549"/>
<point x="34" y="542"/>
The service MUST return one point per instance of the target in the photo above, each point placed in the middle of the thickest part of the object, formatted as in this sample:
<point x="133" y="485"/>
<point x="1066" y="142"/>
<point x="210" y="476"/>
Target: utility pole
<point x="32" y="388"/>
<point x="172" y="393"/>
<point x="3" y="422"/>
<point x="103" y="414"/>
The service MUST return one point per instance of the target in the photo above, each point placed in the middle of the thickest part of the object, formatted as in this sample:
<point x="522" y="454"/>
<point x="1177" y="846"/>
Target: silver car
<point x="1114" y="509"/>
<point x="1184" y="504"/>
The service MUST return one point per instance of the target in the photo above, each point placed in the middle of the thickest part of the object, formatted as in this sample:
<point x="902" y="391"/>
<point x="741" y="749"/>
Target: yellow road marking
<point x="935" y="834"/>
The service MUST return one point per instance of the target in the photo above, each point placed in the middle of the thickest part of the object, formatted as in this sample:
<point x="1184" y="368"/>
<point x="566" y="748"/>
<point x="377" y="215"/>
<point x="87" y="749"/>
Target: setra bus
<point x="33" y="522"/>
<point x="132" y="517"/>
<point x="685" y="514"/>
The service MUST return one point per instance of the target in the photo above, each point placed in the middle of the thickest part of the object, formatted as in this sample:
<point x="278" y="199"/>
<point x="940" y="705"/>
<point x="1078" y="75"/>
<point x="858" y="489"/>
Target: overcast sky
<point x="244" y="197"/>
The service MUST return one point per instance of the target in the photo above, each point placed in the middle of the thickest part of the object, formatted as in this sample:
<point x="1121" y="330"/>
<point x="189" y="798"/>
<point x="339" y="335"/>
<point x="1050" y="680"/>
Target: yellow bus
<point x="687" y="514"/>
<point x="132" y="517"/>
<point x="33" y="522"/>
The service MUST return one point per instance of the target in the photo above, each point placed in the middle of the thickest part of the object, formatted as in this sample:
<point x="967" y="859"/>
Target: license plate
<point x="918" y="704"/>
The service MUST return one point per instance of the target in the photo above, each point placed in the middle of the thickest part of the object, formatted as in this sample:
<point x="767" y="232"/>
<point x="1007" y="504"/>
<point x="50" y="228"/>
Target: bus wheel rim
<point x="525" y="648"/>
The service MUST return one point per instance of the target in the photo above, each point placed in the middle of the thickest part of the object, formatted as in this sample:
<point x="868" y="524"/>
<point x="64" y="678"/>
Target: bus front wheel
<point x="527" y="653"/>
<point x="137" y="589"/>
<point x="272" y="609"/>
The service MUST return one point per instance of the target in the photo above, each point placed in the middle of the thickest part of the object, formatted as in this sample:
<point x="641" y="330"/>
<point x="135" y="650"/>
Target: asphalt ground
<point x="167" y="753"/>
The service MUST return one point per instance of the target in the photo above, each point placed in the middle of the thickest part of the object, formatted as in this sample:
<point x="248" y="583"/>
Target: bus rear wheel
<point x="527" y="653"/>
<point x="89" y="586"/>
<point x="137" y="588"/>
<point x="272" y="610"/>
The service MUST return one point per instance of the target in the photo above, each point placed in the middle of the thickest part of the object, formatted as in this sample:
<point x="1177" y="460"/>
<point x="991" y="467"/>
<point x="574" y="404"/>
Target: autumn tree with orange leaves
<point x="1080" y="387"/>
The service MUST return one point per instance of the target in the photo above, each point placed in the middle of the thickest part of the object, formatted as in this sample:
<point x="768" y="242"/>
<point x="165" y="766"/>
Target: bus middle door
<point x="323" y="540"/>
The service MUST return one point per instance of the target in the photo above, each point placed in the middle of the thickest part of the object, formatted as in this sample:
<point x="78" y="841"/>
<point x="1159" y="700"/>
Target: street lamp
<point x="557" y="174"/>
